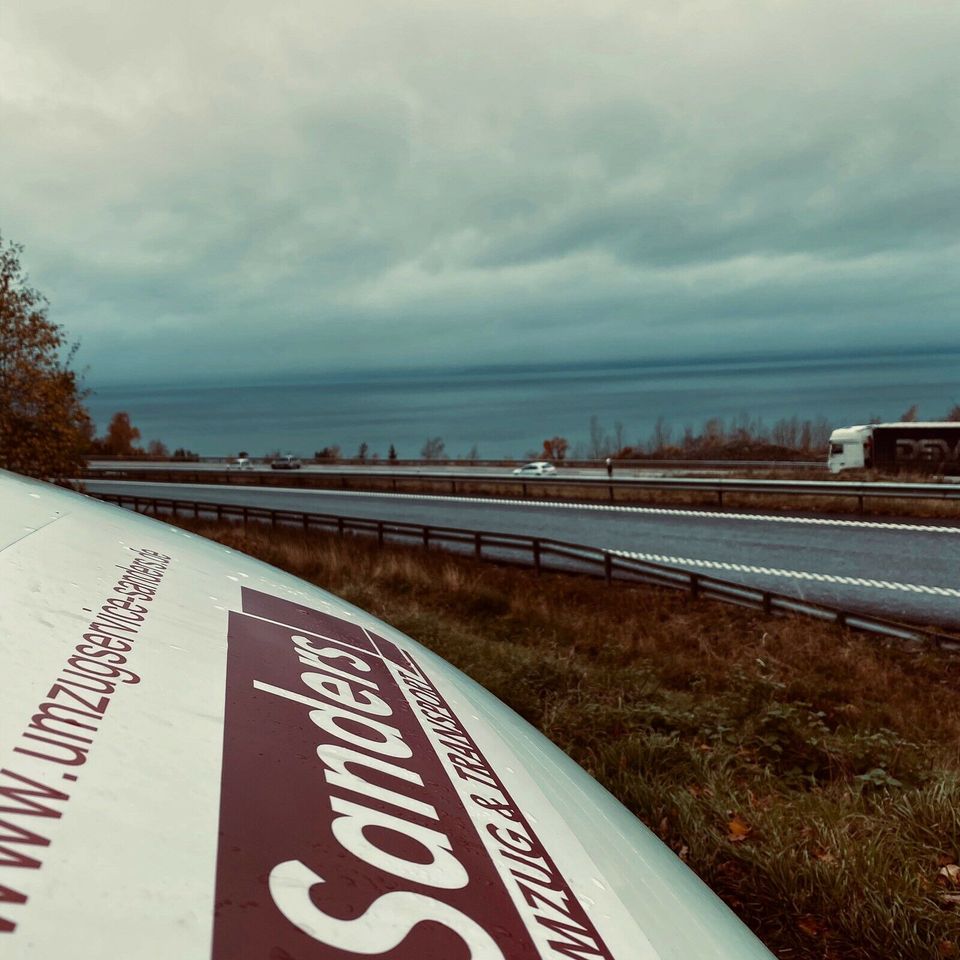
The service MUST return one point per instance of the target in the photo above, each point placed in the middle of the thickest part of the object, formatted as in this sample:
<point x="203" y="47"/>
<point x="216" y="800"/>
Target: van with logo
<point x="920" y="447"/>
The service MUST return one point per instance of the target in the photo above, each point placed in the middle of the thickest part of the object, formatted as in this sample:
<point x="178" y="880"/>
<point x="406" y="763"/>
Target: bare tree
<point x="433" y="448"/>
<point x="617" y="437"/>
<point x="660" y="437"/>
<point x="599" y="441"/>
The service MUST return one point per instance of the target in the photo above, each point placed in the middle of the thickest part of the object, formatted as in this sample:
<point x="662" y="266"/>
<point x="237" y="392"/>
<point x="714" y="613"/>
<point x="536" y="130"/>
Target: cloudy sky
<point x="222" y="188"/>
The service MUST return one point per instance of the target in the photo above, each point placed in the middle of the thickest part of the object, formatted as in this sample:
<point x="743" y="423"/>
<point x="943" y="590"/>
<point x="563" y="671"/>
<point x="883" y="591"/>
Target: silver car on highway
<point x="538" y="468"/>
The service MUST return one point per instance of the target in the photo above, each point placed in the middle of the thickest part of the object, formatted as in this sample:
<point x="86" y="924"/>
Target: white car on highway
<point x="539" y="468"/>
<point x="241" y="463"/>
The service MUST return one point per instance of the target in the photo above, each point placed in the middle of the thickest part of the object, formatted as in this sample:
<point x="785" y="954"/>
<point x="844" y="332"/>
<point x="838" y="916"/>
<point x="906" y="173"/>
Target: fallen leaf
<point x="683" y="853"/>
<point x="949" y="875"/>
<point x="695" y="790"/>
<point x="824" y="856"/>
<point x="812" y="926"/>
<point x="952" y="898"/>
<point x="944" y="858"/>
<point x="738" y="829"/>
<point x="947" y="948"/>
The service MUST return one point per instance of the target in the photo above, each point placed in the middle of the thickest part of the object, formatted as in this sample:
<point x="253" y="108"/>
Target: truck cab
<point x="849" y="448"/>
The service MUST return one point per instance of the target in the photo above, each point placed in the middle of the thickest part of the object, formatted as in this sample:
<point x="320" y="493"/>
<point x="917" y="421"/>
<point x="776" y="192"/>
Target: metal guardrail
<point x="543" y="554"/>
<point x="642" y="464"/>
<point x="459" y="483"/>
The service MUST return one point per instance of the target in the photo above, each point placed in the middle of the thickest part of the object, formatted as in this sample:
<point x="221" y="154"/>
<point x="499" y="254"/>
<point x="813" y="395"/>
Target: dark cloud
<point x="243" y="189"/>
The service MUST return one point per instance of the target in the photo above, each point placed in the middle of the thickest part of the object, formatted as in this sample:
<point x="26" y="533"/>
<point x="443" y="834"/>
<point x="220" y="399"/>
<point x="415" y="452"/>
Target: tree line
<point x="741" y="438"/>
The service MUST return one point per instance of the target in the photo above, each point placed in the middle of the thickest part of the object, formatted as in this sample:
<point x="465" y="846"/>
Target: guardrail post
<point x="524" y="486"/>
<point x="694" y="585"/>
<point x="196" y="510"/>
<point x="453" y="486"/>
<point x="610" y="491"/>
<point x="720" y="498"/>
<point x="394" y="484"/>
<point x="478" y="545"/>
<point x="608" y="568"/>
<point x="173" y="504"/>
<point x="273" y="519"/>
<point x="426" y="538"/>
<point x="767" y="602"/>
<point x="536" y="556"/>
<point x="219" y="511"/>
<point x="246" y="515"/>
<point x="340" y="526"/>
<point x="860" y="502"/>
<point x="305" y="520"/>
<point x="380" y="532"/>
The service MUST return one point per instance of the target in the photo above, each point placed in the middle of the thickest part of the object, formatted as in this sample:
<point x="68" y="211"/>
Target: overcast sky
<point x="224" y="188"/>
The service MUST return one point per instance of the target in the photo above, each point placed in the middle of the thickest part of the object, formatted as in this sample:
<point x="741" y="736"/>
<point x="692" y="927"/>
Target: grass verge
<point x="811" y="776"/>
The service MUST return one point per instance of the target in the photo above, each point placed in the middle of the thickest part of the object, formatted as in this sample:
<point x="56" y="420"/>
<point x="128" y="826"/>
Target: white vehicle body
<point x="539" y="468"/>
<point x="204" y="757"/>
<point x="241" y="463"/>
<point x="848" y="448"/>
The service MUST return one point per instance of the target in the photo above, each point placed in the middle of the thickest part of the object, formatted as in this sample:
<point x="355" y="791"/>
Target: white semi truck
<point x="923" y="447"/>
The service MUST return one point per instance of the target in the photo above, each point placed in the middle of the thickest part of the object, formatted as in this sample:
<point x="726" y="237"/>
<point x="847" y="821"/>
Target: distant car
<point x="539" y="468"/>
<point x="286" y="462"/>
<point x="241" y="463"/>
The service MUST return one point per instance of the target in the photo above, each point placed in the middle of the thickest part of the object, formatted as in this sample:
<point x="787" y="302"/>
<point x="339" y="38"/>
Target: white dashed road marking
<point x="792" y="574"/>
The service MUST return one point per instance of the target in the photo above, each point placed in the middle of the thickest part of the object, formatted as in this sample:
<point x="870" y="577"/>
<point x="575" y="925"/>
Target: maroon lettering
<point x="47" y="718"/>
<point x="95" y="662"/>
<point x="8" y="895"/>
<point x="353" y="808"/>
<point x="98" y="708"/>
<point x="23" y="797"/>
<point x="577" y="943"/>
<point x="73" y="756"/>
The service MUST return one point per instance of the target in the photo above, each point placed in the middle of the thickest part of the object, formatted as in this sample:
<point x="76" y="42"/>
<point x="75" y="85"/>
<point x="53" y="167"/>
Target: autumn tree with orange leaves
<point x="44" y="426"/>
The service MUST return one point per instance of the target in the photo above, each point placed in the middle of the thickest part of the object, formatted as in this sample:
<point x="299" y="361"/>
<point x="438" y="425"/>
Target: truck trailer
<point x="916" y="447"/>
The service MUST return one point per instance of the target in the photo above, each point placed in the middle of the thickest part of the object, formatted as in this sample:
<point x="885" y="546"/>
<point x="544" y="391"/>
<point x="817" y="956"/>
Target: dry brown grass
<point x="840" y="754"/>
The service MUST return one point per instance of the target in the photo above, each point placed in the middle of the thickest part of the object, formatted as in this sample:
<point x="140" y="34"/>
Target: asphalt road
<point x="479" y="470"/>
<point x="898" y="569"/>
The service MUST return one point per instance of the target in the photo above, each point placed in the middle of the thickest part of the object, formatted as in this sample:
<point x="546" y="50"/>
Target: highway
<point x="621" y="469"/>
<point x="478" y="470"/>
<point x="896" y="569"/>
